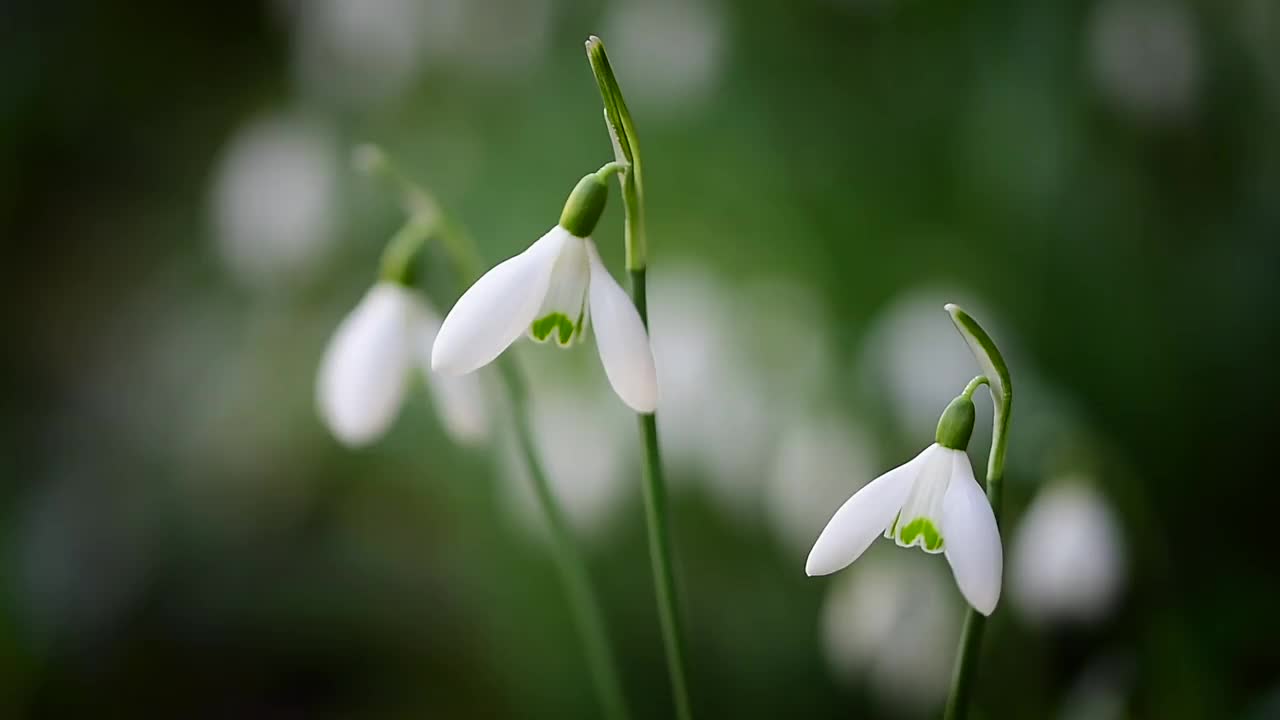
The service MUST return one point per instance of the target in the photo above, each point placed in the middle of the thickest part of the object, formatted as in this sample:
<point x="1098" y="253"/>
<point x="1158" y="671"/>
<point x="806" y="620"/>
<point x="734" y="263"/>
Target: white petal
<point x="972" y="538"/>
<point x="621" y="339"/>
<point x="920" y="522"/>
<point x="494" y="311"/>
<point x="862" y="517"/>
<point x="460" y="400"/>
<point x="563" y="310"/>
<point x="365" y="370"/>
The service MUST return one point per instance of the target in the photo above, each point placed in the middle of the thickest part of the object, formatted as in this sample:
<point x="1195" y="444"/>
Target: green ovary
<point x="557" y="323"/>
<point x="921" y="531"/>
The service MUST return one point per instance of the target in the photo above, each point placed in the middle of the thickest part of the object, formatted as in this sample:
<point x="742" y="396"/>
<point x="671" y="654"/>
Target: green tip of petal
<point x="557" y="324"/>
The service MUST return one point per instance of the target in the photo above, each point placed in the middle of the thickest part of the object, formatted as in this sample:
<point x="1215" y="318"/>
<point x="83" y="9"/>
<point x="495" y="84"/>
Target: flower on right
<point x="932" y="502"/>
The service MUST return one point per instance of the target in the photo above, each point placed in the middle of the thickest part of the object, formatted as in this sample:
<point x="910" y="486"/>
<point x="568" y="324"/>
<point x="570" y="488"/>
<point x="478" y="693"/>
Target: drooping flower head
<point x="552" y="292"/>
<point x="367" y="367"/>
<point x="932" y="502"/>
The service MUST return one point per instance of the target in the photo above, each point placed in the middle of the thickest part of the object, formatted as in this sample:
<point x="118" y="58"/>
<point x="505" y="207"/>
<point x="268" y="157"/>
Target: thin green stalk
<point x="584" y="605"/>
<point x="964" y="677"/>
<point x="573" y="570"/>
<point x="630" y="177"/>
<point x="656" y="523"/>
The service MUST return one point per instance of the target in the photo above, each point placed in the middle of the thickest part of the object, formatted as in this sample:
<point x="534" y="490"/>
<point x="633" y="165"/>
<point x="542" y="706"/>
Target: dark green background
<point x="860" y="149"/>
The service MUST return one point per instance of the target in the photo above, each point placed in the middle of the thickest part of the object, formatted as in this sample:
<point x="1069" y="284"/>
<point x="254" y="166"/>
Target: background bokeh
<point x="1098" y="182"/>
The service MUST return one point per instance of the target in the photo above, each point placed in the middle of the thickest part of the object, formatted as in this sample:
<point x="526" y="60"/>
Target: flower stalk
<point x="584" y="604"/>
<point x="630" y="177"/>
<point x="996" y="377"/>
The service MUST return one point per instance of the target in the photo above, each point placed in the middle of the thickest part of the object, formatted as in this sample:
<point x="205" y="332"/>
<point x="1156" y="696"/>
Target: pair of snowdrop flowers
<point x="932" y="502"/>
<point x="552" y="292"/>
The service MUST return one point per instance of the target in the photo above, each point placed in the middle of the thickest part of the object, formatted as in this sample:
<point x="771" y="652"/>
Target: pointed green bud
<point x="585" y="205"/>
<point x="956" y="424"/>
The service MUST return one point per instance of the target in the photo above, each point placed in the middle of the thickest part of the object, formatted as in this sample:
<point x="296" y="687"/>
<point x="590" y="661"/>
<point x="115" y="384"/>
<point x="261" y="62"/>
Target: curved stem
<point x="997" y="379"/>
<point x="426" y="217"/>
<point x="626" y="150"/>
<point x="573" y="569"/>
<point x="973" y="386"/>
<point x="612" y="168"/>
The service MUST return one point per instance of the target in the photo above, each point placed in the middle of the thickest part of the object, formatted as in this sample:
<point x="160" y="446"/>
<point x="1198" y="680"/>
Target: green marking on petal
<point x="893" y="528"/>
<point x="559" y="323"/>
<point x="578" y="327"/>
<point x="921" y="531"/>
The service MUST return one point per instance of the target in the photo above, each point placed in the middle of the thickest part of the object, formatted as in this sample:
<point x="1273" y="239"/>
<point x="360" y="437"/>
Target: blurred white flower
<point x="816" y="460"/>
<point x="673" y="51"/>
<point x="365" y="52"/>
<point x="933" y="502"/>
<point x="274" y="199"/>
<point x="691" y="320"/>
<point x="889" y="624"/>
<point x="551" y="291"/>
<point x="717" y="423"/>
<point x="367" y="366"/>
<point x="1068" y="555"/>
<point x="524" y="27"/>
<point x="1145" y="57"/>
<point x="729" y="388"/>
<point x="360" y="51"/>
<point x="584" y="443"/>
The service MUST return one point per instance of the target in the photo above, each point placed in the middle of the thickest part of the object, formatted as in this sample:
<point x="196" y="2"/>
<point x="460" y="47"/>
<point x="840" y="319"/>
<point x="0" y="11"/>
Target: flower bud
<point x="956" y="424"/>
<point x="585" y="205"/>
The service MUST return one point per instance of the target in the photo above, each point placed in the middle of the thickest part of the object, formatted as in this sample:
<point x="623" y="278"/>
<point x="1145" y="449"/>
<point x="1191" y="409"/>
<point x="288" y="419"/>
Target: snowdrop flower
<point x="551" y="291"/>
<point x="366" y="371"/>
<point x="933" y="502"/>
<point x="1068" y="555"/>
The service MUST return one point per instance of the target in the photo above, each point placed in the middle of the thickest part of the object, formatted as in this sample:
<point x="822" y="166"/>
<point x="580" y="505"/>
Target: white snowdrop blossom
<point x="367" y="367"/>
<point x="1068" y="557"/>
<point x="932" y="502"/>
<point x="552" y="291"/>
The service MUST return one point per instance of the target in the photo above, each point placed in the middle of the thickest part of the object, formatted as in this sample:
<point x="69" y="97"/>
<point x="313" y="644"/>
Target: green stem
<point x="423" y="211"/>
<point x="626" y="151"/>
<point x="583" y="602"/>
<point x="997" y="379"/>
<point x="659" y="531"/>
<point x="973" y="386"/>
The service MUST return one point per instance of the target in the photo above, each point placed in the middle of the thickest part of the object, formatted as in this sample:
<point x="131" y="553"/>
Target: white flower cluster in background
<point x="274" y="199"/>
<point x="1069" y="558"/>
<point x="1145" y="57"/>
<point x="882" y="625"/>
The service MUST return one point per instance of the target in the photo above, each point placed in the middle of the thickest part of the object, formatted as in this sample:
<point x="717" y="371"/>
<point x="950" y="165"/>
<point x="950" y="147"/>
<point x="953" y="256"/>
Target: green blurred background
<point x="1096" y="181"/>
